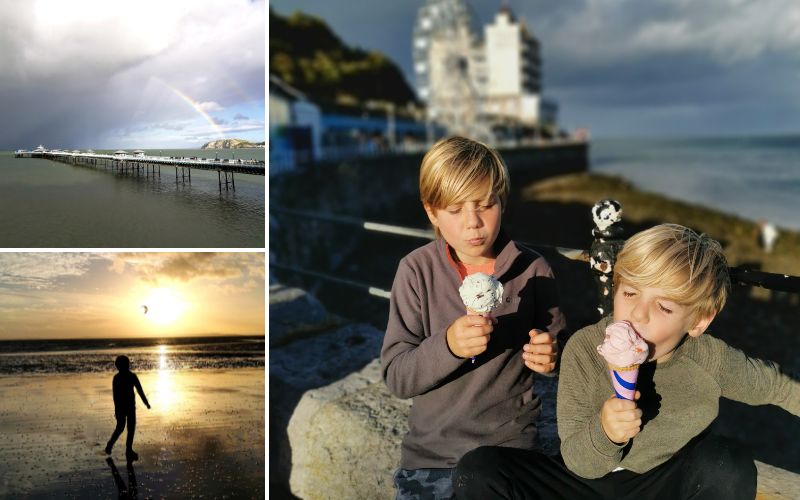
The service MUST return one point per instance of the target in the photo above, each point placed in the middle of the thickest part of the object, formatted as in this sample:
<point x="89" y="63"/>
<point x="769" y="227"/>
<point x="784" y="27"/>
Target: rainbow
<point x="194" y="104"/>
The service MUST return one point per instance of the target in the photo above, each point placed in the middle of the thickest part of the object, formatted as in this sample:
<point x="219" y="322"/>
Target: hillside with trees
<point x="307" y="54"/>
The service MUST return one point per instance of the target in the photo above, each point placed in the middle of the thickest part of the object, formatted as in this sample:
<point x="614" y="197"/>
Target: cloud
<point x="75" y="73"/>
<point x="184" y="267"/>
<point x="239" y="116"/>
<point x="209" y="106"/>
<point x="40" y="271"/>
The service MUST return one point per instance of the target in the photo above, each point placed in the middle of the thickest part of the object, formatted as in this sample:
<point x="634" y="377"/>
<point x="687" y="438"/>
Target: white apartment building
<point x="513" y="70"/>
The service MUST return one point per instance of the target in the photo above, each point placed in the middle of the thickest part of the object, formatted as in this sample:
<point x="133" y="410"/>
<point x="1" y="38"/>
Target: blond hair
<point x="690" y="268"/>
<point x="455" y="168"/>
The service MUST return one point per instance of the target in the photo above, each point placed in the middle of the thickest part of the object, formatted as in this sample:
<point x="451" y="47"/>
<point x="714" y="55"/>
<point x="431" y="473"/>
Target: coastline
<point x="203" y="436"/>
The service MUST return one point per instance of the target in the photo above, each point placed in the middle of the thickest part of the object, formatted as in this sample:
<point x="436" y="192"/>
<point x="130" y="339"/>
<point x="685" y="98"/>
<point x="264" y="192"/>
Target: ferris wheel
<point x="447" y="59"/>
<point x="440" y="20"/>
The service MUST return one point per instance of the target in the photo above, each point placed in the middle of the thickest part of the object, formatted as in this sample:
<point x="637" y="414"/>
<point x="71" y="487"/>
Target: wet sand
<point x="204" y="436"/>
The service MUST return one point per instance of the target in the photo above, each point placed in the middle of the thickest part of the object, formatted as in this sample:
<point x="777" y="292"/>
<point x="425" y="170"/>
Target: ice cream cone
<point x="624" y="380"/>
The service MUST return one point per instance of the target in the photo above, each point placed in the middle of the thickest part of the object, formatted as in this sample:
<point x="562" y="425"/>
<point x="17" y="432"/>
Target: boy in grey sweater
<point x="470" y="376"/>
<point x="669" y="284"/>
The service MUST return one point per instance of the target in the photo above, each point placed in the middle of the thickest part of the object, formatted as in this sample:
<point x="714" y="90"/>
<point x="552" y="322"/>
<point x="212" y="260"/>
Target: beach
<point x="204" y="435"/>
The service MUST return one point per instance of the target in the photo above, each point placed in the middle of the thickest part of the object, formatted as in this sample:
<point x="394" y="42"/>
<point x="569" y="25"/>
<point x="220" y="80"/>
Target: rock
<point x="298" y="364"/>
<point x="293" y="313"/>
<point x="345" y="438"/>
<point x="776" y="483"/>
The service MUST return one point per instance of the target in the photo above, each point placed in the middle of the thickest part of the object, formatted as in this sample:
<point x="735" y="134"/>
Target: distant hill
<point x="232" y="144"/>
<point x="306" y="54"/>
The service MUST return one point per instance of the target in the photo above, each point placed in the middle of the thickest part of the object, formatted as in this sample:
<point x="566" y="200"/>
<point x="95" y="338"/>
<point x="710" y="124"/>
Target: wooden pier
<point x="139" y="164"/>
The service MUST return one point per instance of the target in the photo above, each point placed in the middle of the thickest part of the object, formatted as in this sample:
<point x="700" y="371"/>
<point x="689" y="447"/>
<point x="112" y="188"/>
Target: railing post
<point x="603" y="252"/>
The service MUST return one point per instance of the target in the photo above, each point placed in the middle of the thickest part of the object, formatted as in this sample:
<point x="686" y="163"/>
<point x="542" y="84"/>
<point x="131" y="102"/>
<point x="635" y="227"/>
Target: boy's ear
<point x="702" y="325"/>
<point x="431" y="214"/>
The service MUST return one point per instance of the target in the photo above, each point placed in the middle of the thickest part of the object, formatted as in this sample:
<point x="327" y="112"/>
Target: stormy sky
<point x="130" y="73"/>
<point x="630" y="68"/>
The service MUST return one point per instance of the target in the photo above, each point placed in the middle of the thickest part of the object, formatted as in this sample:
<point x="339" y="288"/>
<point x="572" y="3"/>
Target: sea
<point x="30" y="357"/>
<point x="47" y="204"/>
<point x="754" y="177"/>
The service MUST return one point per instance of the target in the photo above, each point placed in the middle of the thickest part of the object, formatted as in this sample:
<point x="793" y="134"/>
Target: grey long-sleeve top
<point x="680" y="399"/>
<point x="458" y="405"/>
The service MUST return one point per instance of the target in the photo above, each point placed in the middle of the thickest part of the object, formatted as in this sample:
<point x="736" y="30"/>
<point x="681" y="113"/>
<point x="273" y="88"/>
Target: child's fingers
<point x="541" y="367"/>
<point x="550" y="349"/>
<point x="540" y="337"/>
<point x="540" y="359"/>
<point x="629" y="416"/>
<point x="617" y="405"/>
<point x="477" y="320"/>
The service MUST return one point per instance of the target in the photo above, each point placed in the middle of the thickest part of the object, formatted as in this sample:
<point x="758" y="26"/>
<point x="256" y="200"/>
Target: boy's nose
<point x="472" y="219"/>
<point x="639" y="313"/>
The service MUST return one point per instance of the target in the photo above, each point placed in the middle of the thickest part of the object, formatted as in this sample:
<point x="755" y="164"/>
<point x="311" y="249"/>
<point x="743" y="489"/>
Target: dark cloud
<point x="73" y="78"/>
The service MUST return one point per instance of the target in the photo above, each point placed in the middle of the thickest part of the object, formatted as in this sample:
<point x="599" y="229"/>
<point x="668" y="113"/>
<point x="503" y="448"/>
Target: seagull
<point x="144" y="309"/>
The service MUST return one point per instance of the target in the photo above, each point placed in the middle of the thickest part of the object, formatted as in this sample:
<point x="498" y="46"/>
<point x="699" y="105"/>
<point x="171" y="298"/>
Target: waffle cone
<point x="624" y="368"/>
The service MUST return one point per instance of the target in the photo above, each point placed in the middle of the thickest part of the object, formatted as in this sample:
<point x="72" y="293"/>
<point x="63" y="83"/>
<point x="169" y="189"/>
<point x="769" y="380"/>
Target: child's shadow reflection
<point x="129" y="491"/>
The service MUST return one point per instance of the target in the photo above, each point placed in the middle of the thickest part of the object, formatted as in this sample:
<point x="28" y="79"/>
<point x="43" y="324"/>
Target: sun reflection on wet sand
<point x="204" y="434"/>
<point x="166" y="397"/>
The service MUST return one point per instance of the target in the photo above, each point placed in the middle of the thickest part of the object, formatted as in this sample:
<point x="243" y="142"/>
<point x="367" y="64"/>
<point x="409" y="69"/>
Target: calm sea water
<point x="97" y="355"/>
<point x="50" y="204"/>
<point x="753" y="177"/>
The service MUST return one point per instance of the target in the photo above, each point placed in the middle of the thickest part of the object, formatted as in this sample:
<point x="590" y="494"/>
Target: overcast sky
<point x="82" y="295"/>
<point x="130" y="73"/>
<point x="626" y="67"/>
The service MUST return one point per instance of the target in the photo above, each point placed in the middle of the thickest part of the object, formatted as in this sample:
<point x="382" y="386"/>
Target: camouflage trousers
<point x="424" y="484"/>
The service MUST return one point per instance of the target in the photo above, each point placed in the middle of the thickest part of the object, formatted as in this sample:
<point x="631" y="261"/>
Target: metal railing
<point x="601" y="256"/>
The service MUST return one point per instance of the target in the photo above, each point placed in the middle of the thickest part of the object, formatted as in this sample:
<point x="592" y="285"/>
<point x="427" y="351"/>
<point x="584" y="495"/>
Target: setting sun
<point x="163" y="306"/>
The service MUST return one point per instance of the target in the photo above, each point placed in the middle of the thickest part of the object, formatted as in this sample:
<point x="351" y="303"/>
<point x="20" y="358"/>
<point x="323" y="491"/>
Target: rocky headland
<point x="231" y="144"/>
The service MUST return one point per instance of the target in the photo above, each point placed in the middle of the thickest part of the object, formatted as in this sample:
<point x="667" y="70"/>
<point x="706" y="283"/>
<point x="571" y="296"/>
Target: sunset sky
<point x="83" y="295"/>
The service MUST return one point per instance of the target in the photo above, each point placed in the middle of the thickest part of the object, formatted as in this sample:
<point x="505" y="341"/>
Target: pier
<point x="138" y="163"/>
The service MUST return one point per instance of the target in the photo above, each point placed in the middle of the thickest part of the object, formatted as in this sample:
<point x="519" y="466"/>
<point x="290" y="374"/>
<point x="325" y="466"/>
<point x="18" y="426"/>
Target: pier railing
<point x="146" y="165"/>
<point x="601" y="256"/>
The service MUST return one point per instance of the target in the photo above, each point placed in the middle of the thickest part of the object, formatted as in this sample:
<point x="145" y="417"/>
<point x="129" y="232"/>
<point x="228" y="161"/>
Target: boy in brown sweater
<point x="430" y="340"/>
<point x="669" y="284"/>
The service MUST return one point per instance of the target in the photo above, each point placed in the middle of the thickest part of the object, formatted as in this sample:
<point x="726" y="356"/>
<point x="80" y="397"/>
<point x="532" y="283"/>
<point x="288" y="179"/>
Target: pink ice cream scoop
<point x="624" y="350"/>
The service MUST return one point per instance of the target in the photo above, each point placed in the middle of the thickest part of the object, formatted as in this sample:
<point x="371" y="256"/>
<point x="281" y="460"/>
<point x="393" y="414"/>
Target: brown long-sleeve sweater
<point x="680" y="399"/>
<point x="458" y="405"/>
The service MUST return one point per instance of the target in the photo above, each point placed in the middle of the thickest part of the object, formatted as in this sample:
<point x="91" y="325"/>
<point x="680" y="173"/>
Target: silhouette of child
<point x="125" y="405"/>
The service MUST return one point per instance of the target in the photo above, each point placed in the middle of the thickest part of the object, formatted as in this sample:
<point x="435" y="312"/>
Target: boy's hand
<point x="469" y="335"/>
<point x="621" y="419"/>
<point x="541" y="352"/>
